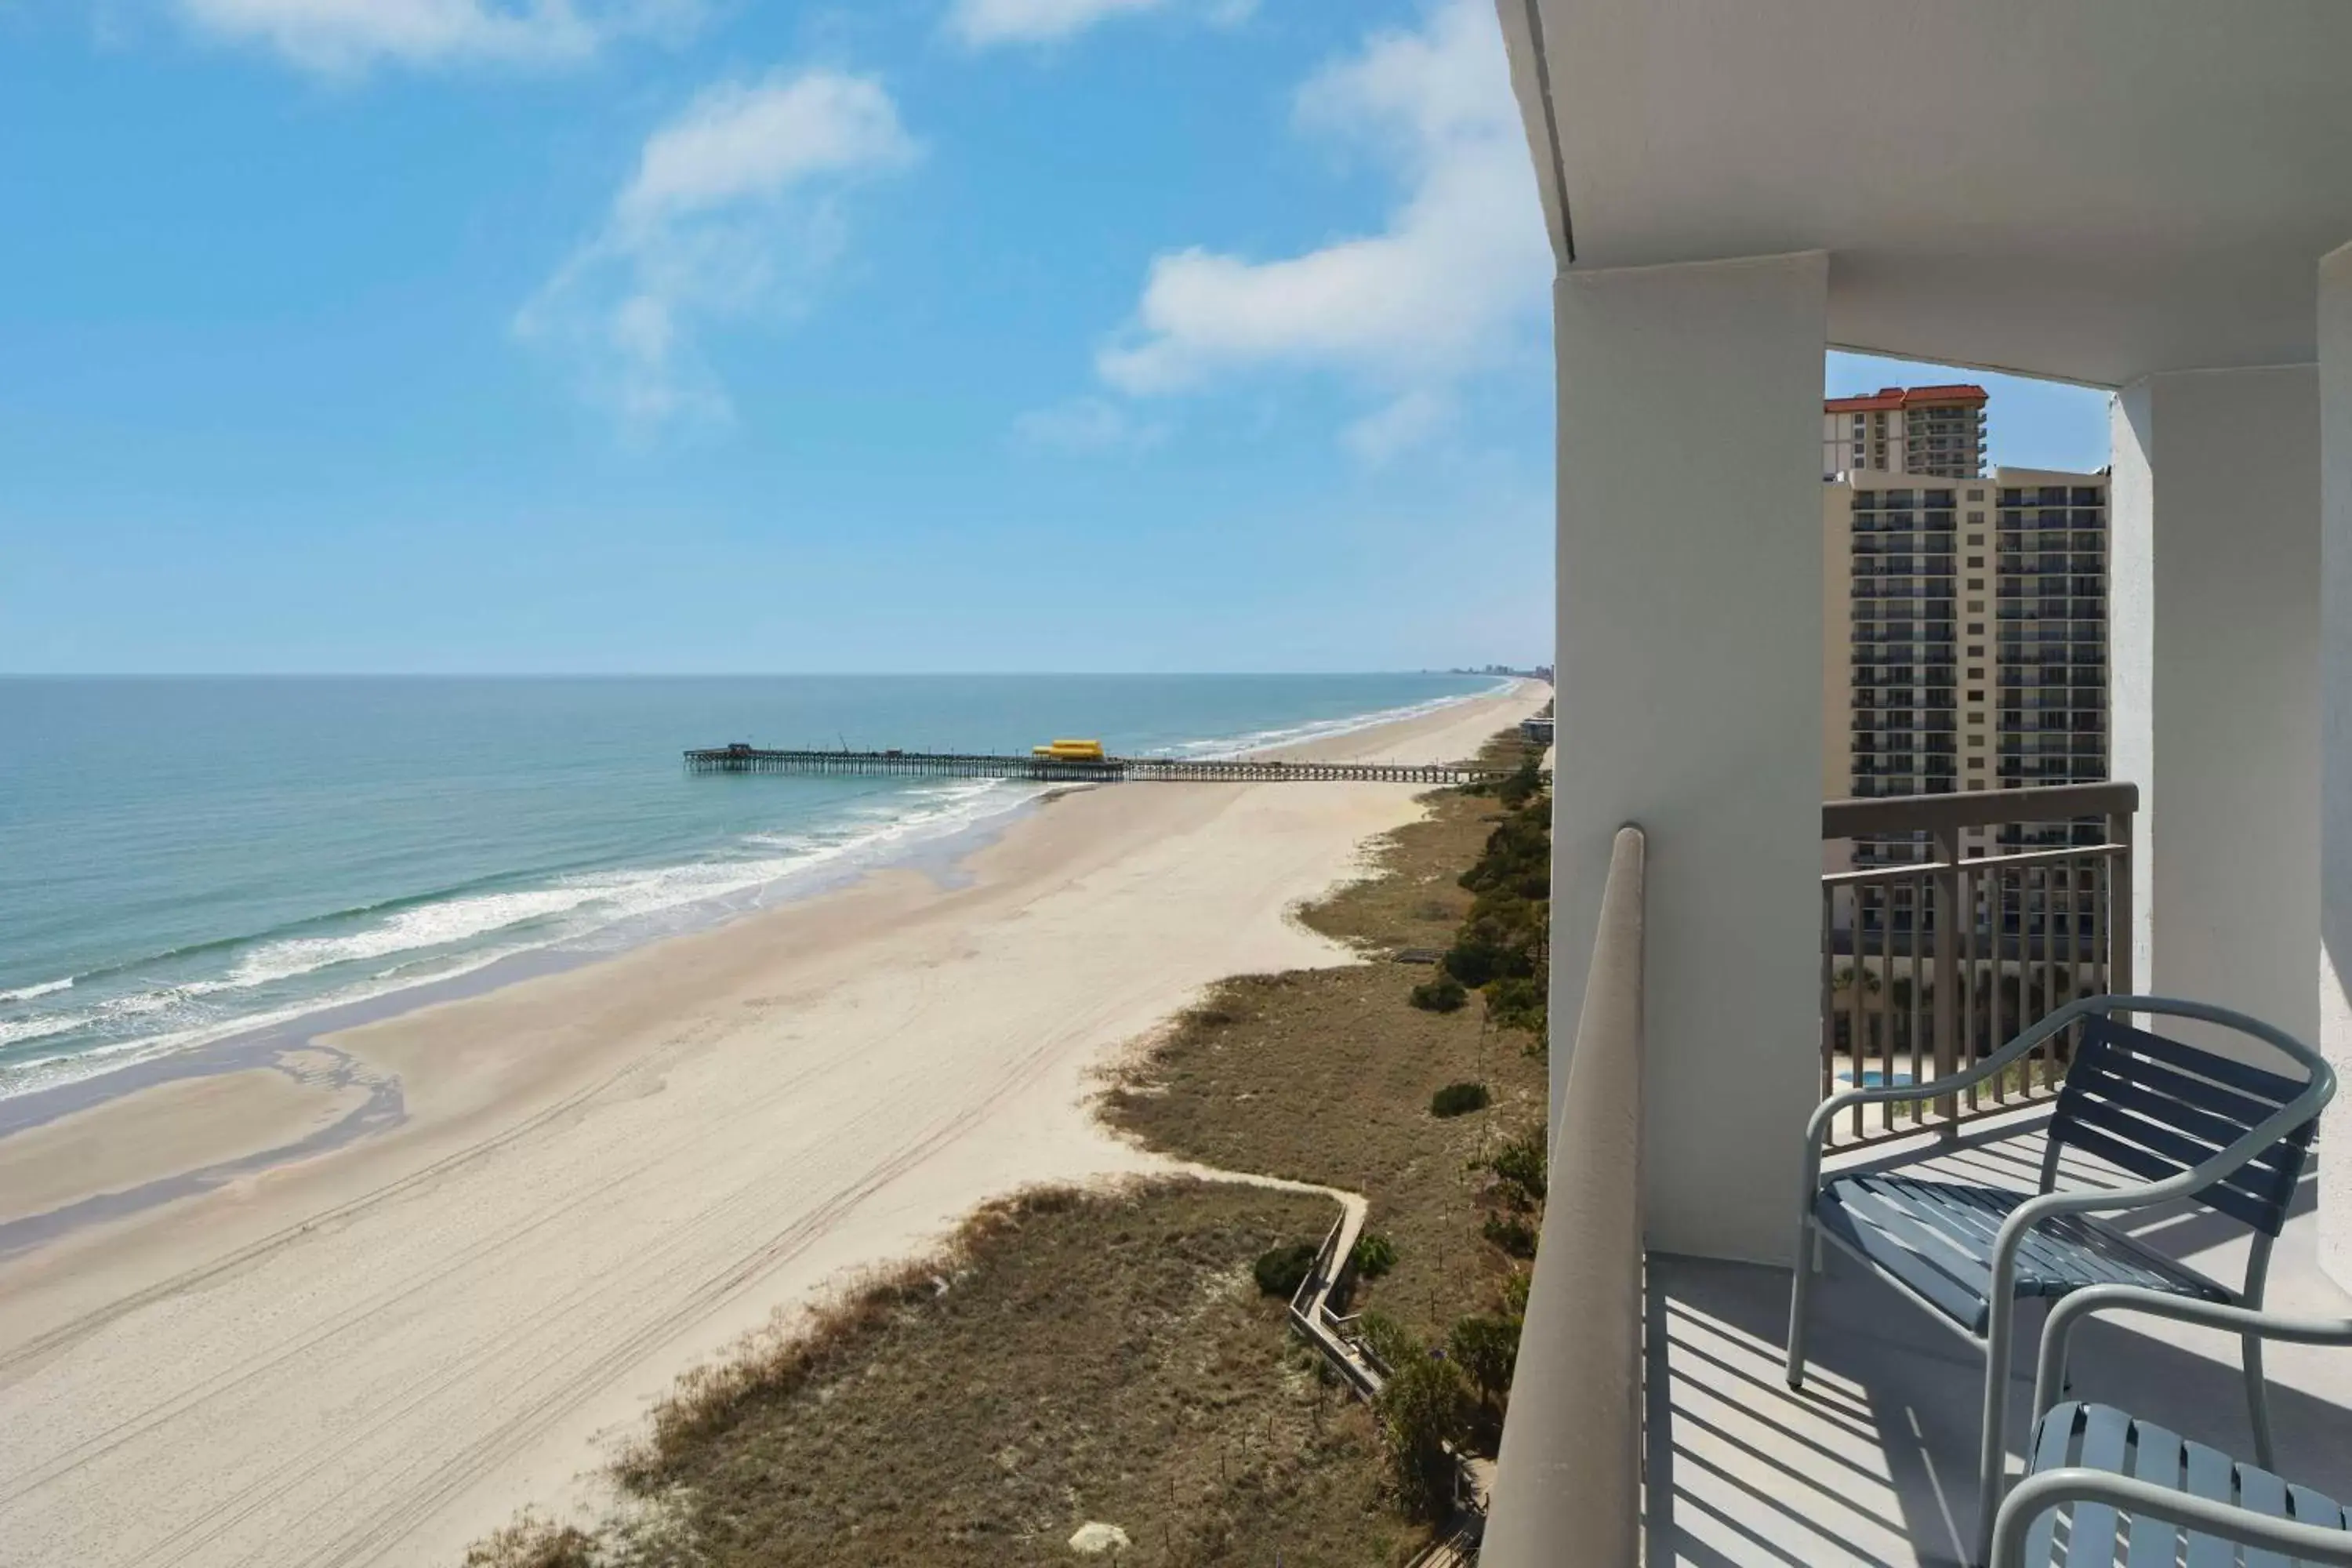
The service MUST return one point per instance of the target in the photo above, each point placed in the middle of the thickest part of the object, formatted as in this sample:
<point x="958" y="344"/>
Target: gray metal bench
<point x="2131" y="1490"/>
<point x="2190" y="1123"/>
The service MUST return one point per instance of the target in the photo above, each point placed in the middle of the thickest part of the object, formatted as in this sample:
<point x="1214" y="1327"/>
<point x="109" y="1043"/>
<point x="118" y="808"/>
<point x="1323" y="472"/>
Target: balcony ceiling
<point x="2085" y="189"/>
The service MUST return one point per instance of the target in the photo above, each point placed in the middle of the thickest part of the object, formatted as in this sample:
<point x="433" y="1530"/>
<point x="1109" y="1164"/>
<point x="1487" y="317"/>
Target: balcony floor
<point x="1874" y="1462"/>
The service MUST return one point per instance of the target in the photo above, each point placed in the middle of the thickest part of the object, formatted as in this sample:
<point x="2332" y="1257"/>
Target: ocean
<point x="182" y="861"/>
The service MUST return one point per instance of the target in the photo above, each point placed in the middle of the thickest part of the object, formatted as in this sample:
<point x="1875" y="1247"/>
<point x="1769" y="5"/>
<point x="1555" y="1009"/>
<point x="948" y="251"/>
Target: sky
<point x="713" y="335"/>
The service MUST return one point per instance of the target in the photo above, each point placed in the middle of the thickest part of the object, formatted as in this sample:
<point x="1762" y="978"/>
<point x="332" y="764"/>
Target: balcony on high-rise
<point x="2148" y="196"/>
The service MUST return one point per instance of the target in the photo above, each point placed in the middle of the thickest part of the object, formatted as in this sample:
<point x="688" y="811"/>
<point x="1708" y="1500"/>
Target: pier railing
<point x="1066" y="770"/>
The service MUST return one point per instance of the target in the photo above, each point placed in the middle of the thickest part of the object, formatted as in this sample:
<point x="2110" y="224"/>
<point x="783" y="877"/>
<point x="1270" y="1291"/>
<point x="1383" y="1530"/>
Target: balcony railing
<point x="1567" y="1481"/>
<point x="1931" y="964"/>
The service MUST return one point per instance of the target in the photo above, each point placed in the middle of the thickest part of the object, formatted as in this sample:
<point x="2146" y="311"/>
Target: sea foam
<point x="442" y="939"/>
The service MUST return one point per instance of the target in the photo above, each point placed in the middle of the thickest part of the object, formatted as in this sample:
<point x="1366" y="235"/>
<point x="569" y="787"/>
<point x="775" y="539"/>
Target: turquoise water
<point x="183" y="859"/>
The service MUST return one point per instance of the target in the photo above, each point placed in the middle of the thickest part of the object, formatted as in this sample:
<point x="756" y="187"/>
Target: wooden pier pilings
<point x="1110" y="770"/>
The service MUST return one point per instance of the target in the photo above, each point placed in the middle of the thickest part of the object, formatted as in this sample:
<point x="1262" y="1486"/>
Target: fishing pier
<point x="746" y="758"/>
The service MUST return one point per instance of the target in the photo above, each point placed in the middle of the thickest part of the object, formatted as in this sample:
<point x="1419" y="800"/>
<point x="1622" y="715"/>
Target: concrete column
<point x="1690" y="701"/>
<point x="2336" y="752"/>
<point x="2215" y="642"/>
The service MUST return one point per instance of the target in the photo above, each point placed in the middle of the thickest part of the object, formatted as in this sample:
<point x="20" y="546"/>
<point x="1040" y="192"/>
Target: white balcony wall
<point x="1690" y="701"/>
<point x="2334" y="1239"/>
<point x="2215" y="648"/>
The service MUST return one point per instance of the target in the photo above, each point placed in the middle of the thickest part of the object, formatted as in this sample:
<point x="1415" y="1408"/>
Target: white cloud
<point x="733" y="215"/>
<point x="1397" y="427"/>
<point x="1088" y="425"/>
<point x="740" y="143"/>
<point x="344" y="36"/>
<point x="980" y="23"/>
<point x="1448" y="287"/>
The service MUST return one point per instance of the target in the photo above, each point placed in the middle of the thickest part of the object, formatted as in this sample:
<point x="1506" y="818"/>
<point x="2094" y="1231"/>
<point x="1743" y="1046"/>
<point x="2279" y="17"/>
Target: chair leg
<point x="2258" y="1403"/>
<point x="1800" y="1281"/>
<point x="1993" y="1452"/>
<point x="1992" y="1468"/>
<point x="2258" y="1393"/>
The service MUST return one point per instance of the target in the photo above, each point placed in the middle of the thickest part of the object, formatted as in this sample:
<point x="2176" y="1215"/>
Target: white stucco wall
<point x="2336" y="752"/>
<point x="2131" y="624"/>
<point x="2215" y="628"/>
<point x="1690" y="701"/>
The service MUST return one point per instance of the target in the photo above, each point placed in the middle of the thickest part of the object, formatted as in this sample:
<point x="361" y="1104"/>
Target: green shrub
<point x="1422" y="1409"/>
<point x="1513" y="922"/>
<point x="1468" y="963"/>
<point x="1504" y="936"/>
<point x="1504" y="944"/>
<point x="1487" y="1351"/>
<point x="1459" y="1100"/>
<point x="1525" y="782"/>
<point x="1374" y="1254"/>
<point x="1281" y="1270"/>
<point x="1516" y="1003"/>
<point x="1388" y="1340"/>
<point x="1520" y="1165"/>
<point x="1517" y="856"/>
<point x="1512" y="1234"/>
<point x="1442" y="995"/>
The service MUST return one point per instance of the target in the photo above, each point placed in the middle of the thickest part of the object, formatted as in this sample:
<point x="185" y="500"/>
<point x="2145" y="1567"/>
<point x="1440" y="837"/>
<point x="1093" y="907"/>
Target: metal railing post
<point x="2122" y="923"/>
<point x="2026" y="980"/>
<point x="1947" y="968"/>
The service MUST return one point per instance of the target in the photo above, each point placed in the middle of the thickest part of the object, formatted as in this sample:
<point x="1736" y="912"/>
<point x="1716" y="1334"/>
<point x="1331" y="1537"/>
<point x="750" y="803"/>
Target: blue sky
<point x="590" y="335"/>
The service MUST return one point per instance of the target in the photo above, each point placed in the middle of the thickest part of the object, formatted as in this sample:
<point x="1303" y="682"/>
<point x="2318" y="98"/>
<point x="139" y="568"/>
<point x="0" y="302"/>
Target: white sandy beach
<point x="604" y="1176"/>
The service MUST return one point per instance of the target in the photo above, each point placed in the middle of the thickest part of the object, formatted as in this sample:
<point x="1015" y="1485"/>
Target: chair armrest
<point x="1818" y="1124"/>
<point x="2050" y="1365"/>
<point x="2036" y="1495"/>
<point x="2041" y="1031"/>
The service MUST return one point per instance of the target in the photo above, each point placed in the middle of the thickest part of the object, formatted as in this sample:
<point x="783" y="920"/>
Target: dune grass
<point x="1072" y="1357"/>
<point x="1327" y="1076"/>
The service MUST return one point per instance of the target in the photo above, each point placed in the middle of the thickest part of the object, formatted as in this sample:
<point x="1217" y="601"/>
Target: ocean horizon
<point x="186" y="859"/>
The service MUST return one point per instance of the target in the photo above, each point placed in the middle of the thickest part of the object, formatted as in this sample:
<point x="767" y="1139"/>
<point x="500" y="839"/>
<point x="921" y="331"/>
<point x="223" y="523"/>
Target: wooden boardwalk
<point x="1110" y="770"/>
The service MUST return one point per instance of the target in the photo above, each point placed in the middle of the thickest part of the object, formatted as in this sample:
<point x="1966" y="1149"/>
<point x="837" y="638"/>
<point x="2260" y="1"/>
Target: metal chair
<point x="2192" y="1124"/>
<point x="2132" y="1486"/>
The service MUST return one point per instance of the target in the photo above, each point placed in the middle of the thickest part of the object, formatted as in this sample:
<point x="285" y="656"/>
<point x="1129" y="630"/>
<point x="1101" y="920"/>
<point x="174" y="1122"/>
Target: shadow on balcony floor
<point x="1875" y="1461"/>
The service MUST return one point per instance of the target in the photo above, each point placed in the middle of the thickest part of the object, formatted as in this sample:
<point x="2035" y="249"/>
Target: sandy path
<point x="607" y="1175"/>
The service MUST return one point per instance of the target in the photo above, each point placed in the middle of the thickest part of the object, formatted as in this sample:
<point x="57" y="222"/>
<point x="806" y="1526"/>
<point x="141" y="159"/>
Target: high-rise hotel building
<point x="1972" y="652"/>
<point x="1967" y="645"/>
<point x="1938" y="431"/>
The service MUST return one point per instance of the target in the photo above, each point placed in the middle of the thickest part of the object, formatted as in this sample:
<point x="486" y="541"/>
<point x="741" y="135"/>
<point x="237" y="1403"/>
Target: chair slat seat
<point x="2178" y="1121"/>
<point x="2101" y="1437"/>
<point x="1936" y="1237"/>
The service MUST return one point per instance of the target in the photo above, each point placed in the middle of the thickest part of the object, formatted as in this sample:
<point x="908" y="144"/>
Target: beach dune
<point x="601" y="1176"/>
